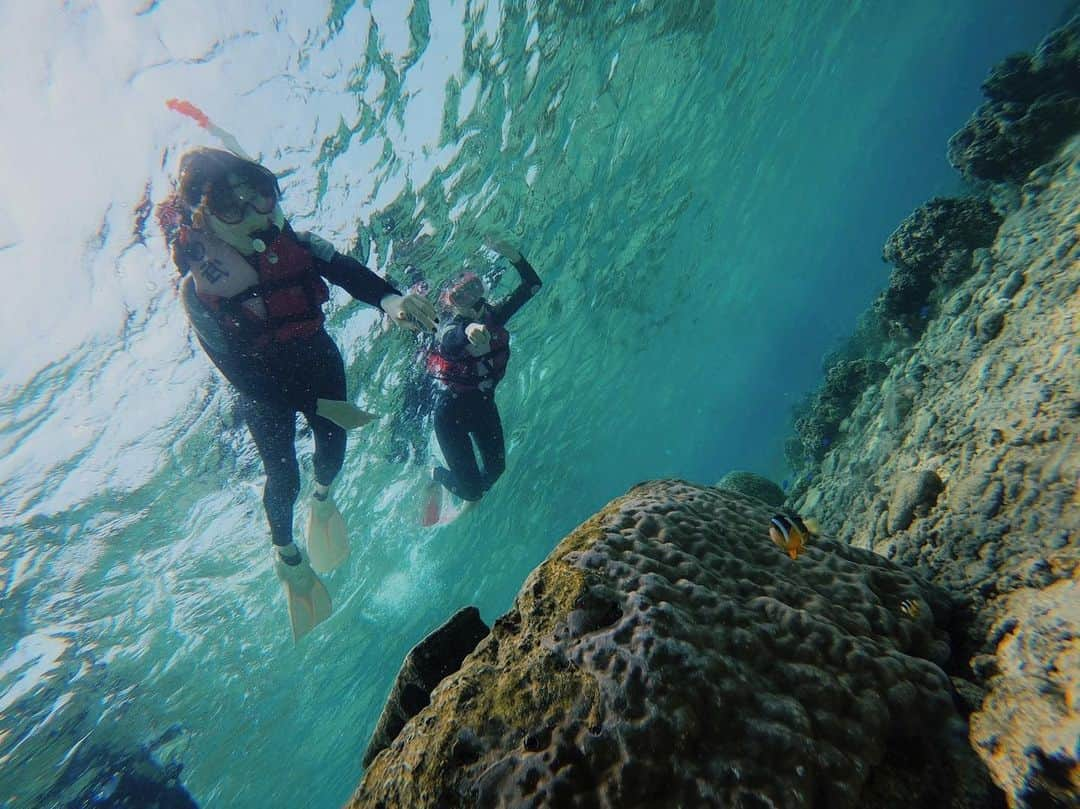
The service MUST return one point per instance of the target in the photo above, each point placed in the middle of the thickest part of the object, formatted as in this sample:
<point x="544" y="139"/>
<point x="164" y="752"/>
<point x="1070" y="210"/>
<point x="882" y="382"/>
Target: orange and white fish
<point x="910" y="607"/>
<point x="791" y="533"/>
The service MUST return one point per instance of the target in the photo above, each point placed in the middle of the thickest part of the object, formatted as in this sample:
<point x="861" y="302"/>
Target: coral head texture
<point x="667" y="653"/>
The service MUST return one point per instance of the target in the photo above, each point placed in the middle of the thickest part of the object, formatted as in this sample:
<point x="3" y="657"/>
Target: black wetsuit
<point x="285" y="378"/>
<point x="465" y="408"/>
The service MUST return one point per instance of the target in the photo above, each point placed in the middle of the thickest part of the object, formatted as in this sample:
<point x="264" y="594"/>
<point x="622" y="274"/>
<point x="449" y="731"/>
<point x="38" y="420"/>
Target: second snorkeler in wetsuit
<point x="468" y="357"/>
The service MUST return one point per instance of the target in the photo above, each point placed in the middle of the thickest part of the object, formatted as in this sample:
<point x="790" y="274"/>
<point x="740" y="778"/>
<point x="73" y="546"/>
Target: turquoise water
<point x="704" y="188"/>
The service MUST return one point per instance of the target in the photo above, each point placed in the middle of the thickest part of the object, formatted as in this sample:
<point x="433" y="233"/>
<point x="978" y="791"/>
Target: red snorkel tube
<point x="189" y="110"/>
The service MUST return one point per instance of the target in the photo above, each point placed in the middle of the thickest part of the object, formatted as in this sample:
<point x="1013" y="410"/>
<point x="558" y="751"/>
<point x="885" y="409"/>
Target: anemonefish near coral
<point x="792" y="533"/>
<point x="910" y="607"/>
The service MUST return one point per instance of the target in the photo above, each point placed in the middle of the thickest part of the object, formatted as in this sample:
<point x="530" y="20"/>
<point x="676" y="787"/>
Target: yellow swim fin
<point x="327" y="536"/>
<point x="308" y="601"/>
<point x="345" y="415"/>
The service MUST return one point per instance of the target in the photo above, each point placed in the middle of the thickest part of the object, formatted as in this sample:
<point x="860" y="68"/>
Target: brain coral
<point x="668" y="654"/>
<point x="754" y="485"/>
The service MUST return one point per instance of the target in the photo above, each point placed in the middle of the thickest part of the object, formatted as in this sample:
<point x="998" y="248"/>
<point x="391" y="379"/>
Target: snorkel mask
<point x="464" y="293"/>
<point x="236" y="199"/>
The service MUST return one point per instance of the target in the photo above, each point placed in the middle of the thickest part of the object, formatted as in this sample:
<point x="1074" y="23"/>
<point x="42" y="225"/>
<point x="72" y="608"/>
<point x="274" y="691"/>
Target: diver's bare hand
<point x="412" y="311"/>
<point x="478" y="335"/>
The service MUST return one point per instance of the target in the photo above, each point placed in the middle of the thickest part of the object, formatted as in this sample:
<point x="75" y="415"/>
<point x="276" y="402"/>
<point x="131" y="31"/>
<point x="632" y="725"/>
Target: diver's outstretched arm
<point x="529" y="285"/>
<point x="346" y="272"/>
<point x="410" y="310"/>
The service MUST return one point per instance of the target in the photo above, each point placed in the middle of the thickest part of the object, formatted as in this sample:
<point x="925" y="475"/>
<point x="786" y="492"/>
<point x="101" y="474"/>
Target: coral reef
<point x="963" y="461"/>
<point x="425" y="666"/>
<point x="1033" y="107"/>
<point x="1034" y="692"/>
<point x="818" y="427"/>
<point x="917" y="493"/>
<point x="668" y="654"/>
<point x="932" y="248"/>
<point x="752" y="485"/>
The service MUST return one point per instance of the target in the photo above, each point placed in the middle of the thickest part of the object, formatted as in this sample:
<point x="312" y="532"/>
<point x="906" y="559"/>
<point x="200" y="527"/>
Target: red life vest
<point x="473" y="373"/>
<point x="290" y="291"/>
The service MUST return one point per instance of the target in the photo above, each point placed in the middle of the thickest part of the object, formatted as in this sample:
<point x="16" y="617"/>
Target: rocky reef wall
<point x="945" y="437"/>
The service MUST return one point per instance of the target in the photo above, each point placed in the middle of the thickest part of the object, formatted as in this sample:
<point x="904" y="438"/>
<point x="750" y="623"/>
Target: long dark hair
<point x="202" y="168"/>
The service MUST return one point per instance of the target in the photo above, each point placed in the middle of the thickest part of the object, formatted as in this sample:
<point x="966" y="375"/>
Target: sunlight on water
<point x="31" y="661"/>
<point x="704" y="188"/>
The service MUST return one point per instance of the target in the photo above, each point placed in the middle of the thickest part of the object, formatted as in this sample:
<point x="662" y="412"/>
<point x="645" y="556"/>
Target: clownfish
<point x="791" y="533"/>
<point x="910" y="607"/>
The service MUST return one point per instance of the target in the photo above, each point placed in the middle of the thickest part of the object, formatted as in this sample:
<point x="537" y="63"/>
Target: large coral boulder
<point x="753" y="485"/>
<point x="667" y="653"/>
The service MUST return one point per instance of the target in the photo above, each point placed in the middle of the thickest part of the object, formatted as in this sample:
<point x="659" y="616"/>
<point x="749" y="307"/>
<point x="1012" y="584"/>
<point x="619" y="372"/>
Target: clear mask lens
<point x="468" y="293"/>
<point x="256" y="190"/>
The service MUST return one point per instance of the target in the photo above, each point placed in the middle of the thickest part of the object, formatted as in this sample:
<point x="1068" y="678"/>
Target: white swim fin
<point x="345" y="415"/>
<point x="327" y="535"/>
<point x="307" y="598"/>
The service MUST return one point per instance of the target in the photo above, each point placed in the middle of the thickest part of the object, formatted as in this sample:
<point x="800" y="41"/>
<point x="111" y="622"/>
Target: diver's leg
<point x="274" y="430"/>
<point x="463" y="476"/>
<point x="488" y="432"/>
<point x="329" y="452"/>
<point x="274" y="433"/>
<point x="325" y="379"/>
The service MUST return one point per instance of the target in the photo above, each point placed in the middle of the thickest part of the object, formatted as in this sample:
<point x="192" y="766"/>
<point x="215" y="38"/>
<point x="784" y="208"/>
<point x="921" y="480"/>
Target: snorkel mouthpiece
<point x="253" y="235"/>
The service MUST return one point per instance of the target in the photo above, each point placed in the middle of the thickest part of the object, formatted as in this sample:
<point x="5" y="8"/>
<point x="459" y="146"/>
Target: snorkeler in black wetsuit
<point x="468" y="357"/>
<point x="253" y="290"/>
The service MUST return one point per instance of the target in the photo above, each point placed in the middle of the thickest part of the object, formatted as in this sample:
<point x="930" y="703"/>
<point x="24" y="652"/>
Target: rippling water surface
<point x="704" y="187"/>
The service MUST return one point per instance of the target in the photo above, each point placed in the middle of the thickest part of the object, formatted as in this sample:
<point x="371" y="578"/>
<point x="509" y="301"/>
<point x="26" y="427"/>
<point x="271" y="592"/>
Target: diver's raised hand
<point x="478" y="335"/>
<point x="414" y="312"/>
<point x="504" y="249"/>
